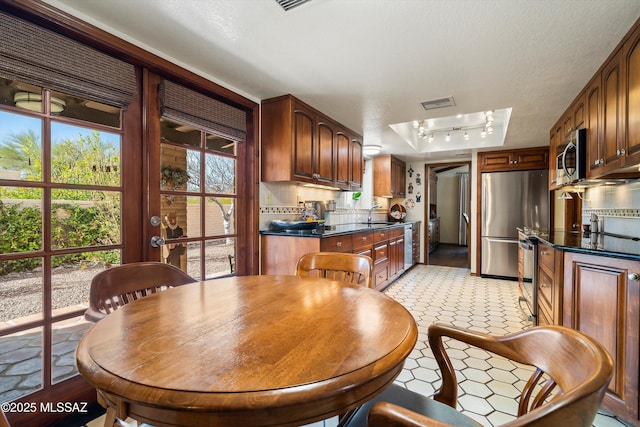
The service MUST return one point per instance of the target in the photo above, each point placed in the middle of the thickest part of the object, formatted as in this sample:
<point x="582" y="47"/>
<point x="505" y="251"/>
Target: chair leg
<point x="110" y="419"/>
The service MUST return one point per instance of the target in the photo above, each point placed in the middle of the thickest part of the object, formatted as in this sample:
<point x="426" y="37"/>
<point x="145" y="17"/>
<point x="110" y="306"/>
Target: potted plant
<point x="173" y="178"/>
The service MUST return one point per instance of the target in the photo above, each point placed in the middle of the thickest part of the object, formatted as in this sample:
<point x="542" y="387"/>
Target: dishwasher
<point x="408" y="246"/>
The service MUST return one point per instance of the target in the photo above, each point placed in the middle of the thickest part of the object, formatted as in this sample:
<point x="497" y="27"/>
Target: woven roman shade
<point x="38" y="56"/>
<point x="188" y="107"/>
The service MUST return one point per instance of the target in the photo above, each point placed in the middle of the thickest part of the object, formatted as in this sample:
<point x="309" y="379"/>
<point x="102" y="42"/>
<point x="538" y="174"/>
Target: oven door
<point x="527" y="276"/>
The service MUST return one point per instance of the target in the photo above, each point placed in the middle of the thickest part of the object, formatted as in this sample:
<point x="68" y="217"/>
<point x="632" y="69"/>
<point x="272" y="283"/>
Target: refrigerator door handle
<point x="490" y="239"/>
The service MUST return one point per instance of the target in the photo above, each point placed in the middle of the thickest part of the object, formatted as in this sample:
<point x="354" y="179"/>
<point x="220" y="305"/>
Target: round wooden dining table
<point x="247" y="351"/>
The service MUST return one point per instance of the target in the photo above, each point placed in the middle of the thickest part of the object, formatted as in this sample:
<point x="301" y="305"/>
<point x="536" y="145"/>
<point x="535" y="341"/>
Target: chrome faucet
<point x="370" y="210"/>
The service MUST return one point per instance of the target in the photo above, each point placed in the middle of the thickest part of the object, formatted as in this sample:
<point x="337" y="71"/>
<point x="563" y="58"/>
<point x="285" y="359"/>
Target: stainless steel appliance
<point x="571" y="163"/>
<point x="510" y="200"/>
<point x="408" y="246"/>
<point x="528" y="276"/>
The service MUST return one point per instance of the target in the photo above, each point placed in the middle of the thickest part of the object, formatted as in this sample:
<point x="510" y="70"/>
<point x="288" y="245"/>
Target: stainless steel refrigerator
<point x="510" y="200"/>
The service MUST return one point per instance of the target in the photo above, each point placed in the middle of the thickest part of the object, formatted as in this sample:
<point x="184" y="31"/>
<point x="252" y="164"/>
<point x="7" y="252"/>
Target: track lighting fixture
<point x="424" y="131"/>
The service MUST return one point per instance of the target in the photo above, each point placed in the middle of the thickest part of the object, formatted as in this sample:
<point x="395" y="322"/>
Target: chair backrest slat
<point x="344" y="267"/>
<point x="575" y="369"/>
<point x="119" y="285"/>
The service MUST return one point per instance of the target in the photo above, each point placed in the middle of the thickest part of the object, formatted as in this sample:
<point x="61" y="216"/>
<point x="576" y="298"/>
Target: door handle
<point x="157" y="241"/>
<point x="502" y="240"/>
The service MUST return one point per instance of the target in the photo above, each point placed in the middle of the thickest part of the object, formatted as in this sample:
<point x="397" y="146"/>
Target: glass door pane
<point x="61" y="197"/>
<point x="198" y="199"/>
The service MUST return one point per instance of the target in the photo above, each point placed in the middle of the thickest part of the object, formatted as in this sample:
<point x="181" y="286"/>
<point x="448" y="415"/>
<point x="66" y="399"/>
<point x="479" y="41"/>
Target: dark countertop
<point x="593" y="243"/>
<point x="336" y="230"/>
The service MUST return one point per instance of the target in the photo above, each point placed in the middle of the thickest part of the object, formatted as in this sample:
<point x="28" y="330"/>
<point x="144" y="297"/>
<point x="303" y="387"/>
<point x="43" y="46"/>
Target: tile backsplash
<point x="617" y="207"/>
<point x="282" y="200"/>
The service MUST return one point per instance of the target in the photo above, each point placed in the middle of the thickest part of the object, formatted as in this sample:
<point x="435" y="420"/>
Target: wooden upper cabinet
<point x="555" y="142"/>
<point x="506" y="160"/>
<point x="303" y="144"/>
<point x="594" y="128"/>
<point x="610" y="111"/>
<point x="323" y="156"/>
<point x="567" y="123"/>
<point x="388" y="176"/>
<point x="612" y="105"/>
<point x="398" y="180"/>
<point x="356" y="163"/>
<point x="343" y="152"/>
<point x="300" y="144"/>
<point x="579" y="111"/>
<point x="631" y="119"/>
<point x="349" y="161"/>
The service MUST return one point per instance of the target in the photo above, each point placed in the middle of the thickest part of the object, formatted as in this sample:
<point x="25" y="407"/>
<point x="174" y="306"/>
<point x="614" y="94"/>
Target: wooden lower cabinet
<point x="381" y="276"/>
<point x="342" y="243"/>
<point x="549" y="285"/>
<point x="363" y="243"/>
<point x="396" y="253"/>
<point x="280" y="253"/>
<point x="601" y="298"/>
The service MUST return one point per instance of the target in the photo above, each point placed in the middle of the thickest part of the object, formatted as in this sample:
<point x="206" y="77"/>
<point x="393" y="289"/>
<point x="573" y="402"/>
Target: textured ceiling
<point x="370" y="63"/>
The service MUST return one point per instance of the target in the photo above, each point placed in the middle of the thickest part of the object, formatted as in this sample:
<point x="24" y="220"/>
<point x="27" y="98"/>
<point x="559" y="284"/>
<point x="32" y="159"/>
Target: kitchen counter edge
<point x="341" y="229"/>
<point x="570" y="241"/>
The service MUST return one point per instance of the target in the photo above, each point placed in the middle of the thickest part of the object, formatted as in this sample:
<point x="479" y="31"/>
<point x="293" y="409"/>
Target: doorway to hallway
<point x="450" y="255"/>
<point x="449" y="214"/>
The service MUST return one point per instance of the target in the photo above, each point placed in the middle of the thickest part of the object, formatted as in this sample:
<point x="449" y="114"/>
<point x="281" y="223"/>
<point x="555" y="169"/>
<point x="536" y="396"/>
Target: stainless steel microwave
<point x="571" y="163"/>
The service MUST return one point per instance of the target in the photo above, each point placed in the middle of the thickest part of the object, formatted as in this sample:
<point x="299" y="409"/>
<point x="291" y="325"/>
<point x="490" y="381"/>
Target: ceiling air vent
<point x="290" y="4"/>
<point x="438" y="103"/>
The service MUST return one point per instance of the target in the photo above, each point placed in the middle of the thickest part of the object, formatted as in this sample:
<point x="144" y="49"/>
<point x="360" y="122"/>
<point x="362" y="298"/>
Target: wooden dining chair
<point x="345" y="267"/>
<point x="117" y="286"/>
<point x="571" y="375"/>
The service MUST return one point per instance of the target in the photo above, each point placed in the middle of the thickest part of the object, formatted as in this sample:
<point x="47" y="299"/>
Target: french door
<point x="196" y="178"/>
<point x="198" y="200"/>
<point x="64" y="167"/>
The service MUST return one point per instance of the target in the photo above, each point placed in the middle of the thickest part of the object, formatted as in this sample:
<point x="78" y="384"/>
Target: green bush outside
<point x="21" y="231"/>
<point x="72" y="225"/>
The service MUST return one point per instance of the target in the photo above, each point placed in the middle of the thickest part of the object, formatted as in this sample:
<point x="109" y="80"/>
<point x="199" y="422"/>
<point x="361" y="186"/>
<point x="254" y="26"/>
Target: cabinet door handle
<point x="543" y="285"/>
<point x="620" y="152"/>
<point x="633" y="276"/>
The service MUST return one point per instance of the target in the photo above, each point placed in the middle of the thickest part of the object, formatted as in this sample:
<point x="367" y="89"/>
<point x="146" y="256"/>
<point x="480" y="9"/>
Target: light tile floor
<point x="487" y="383"/>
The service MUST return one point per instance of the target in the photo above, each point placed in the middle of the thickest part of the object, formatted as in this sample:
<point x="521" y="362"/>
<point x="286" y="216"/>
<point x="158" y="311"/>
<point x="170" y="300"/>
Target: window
<point x="198" y="200"/>
<point x="61" y="197"/>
